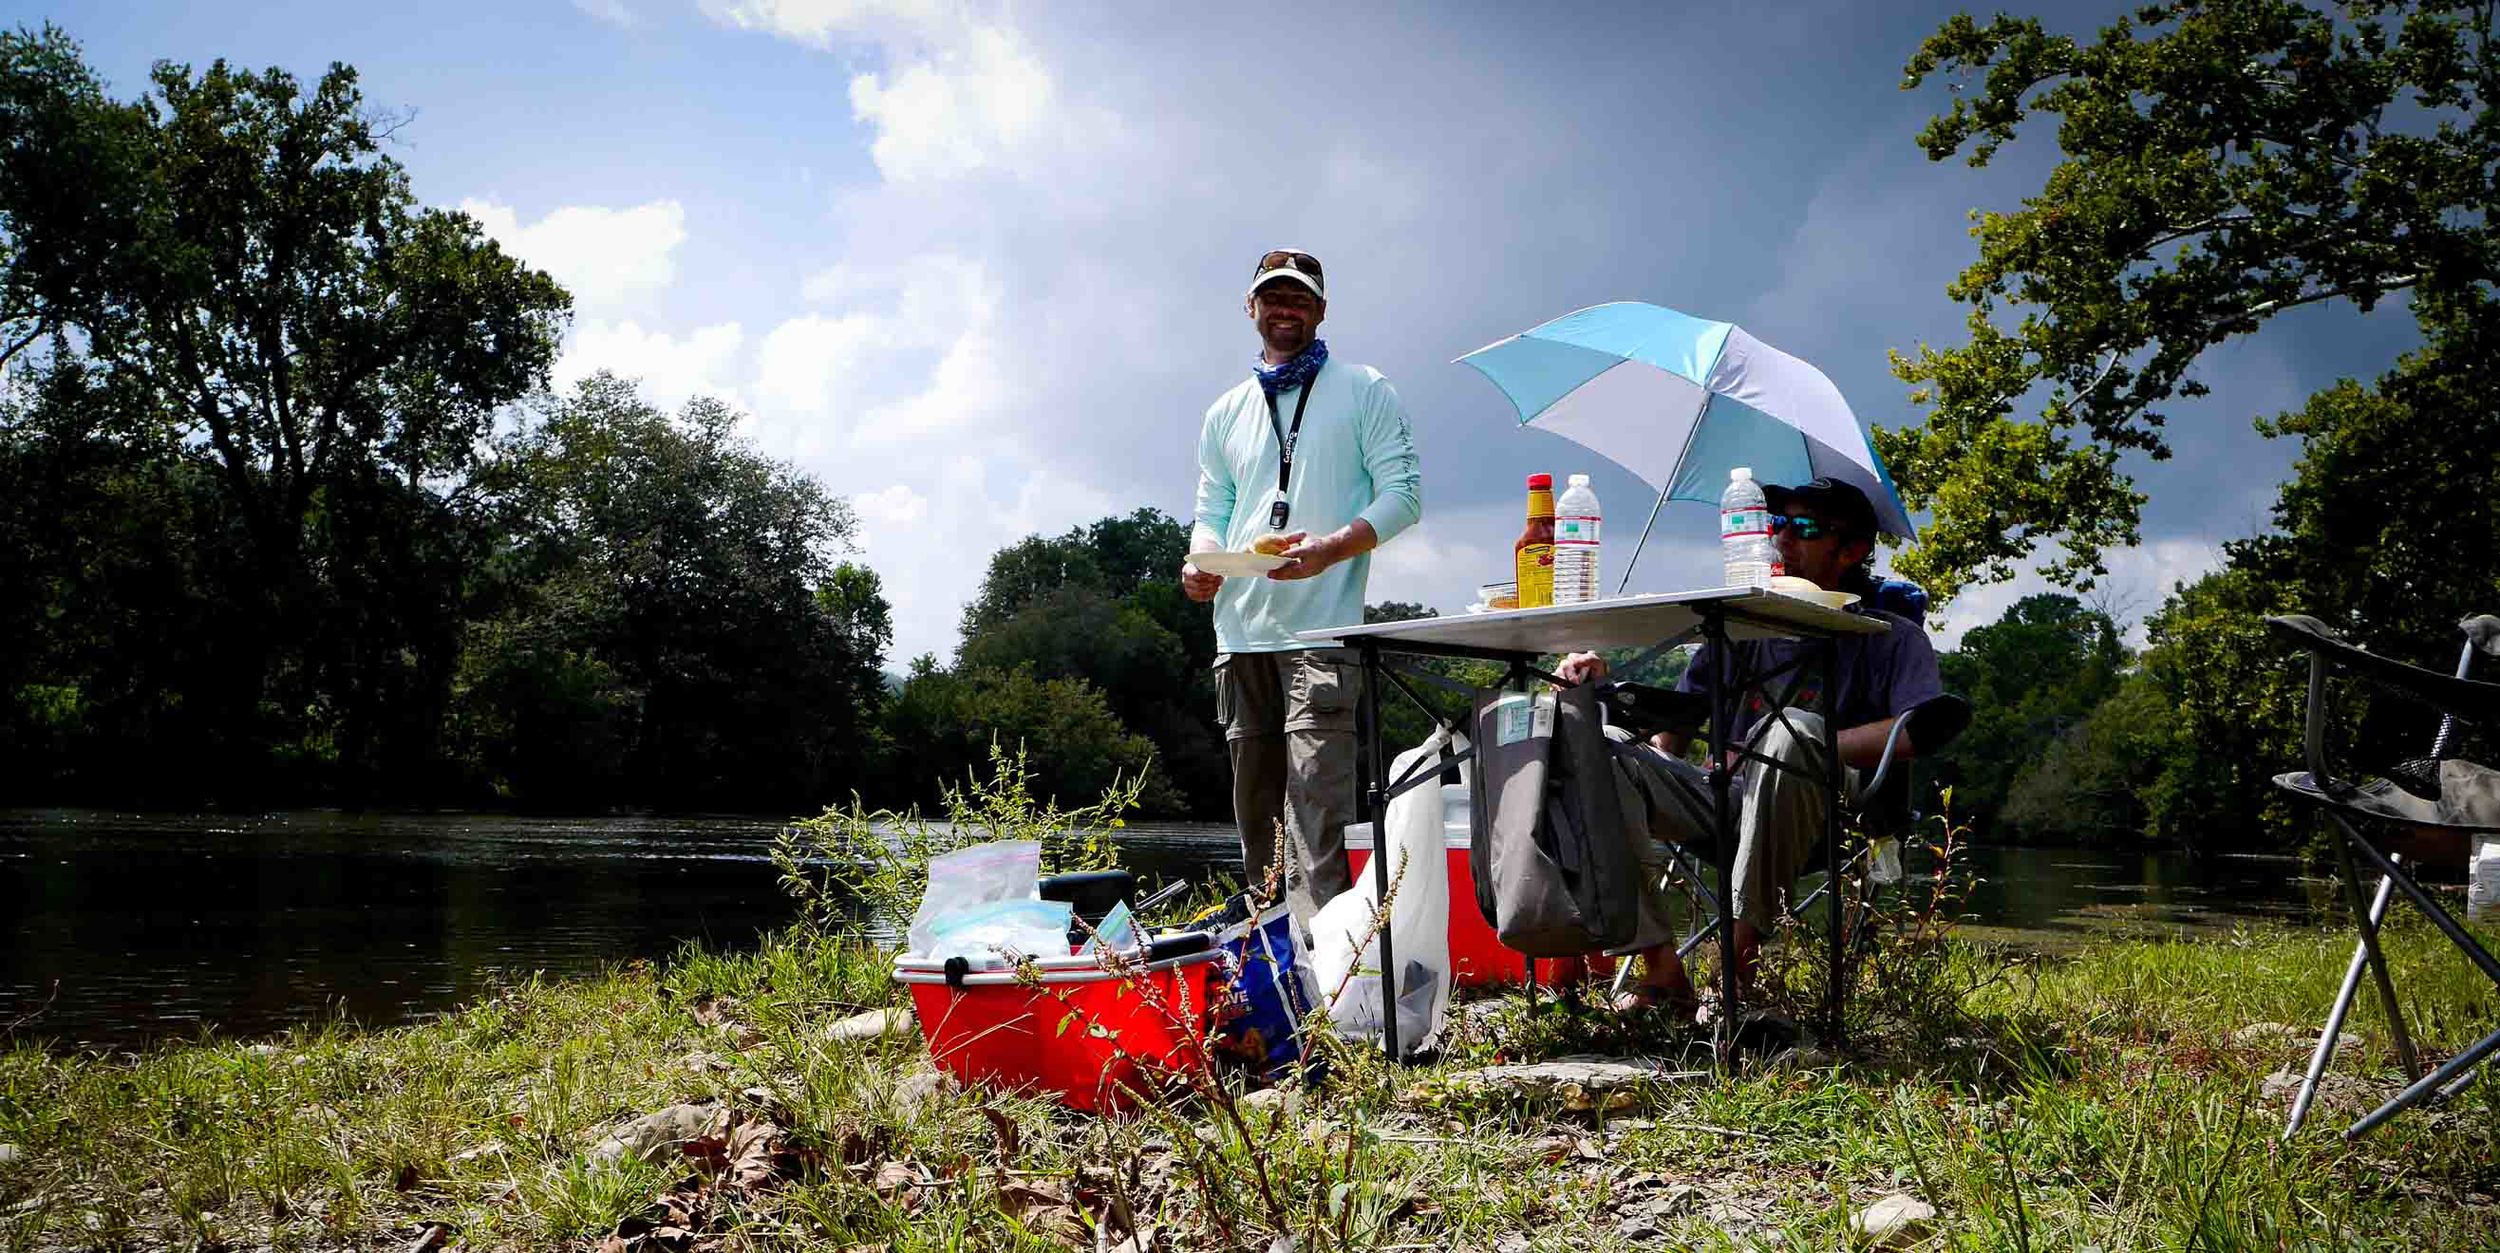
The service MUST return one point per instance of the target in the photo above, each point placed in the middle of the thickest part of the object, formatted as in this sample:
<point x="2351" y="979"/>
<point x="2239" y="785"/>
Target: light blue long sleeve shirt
<point x="1355" y="459"/>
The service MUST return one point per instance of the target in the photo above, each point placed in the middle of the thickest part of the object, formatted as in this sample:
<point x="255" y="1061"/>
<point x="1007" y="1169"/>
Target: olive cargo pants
<point x="1289" y="728"/>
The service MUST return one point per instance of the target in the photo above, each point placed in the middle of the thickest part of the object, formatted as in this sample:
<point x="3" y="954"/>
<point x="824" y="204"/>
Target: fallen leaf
<point x="407" y="1179"/>
<point x="1141" y="1240"/>
<point x="1017" y="1195"/>
<point x="431" y="1238"/>
<point x="751" y="1151"/>
<point x="893" y="1179"/>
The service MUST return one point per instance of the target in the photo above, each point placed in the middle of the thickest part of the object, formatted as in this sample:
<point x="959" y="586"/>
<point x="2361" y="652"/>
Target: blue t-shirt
<point x="1880" y="676"/>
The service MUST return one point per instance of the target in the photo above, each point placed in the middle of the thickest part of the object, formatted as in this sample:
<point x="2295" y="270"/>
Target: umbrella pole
<point x="1636" y="548"/>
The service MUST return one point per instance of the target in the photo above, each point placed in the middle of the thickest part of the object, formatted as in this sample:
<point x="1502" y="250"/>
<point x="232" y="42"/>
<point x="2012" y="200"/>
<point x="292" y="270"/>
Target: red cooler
<point x="999" y="1031"/>
<point x="1477" y="956"/>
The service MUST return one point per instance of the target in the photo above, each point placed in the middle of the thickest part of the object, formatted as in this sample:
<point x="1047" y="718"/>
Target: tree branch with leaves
<point x="2223" y="163"/>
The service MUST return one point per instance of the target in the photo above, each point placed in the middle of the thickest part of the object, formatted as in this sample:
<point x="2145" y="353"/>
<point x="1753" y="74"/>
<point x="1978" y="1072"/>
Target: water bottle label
<point x="1575" y="530"/>
<point x="1744" y="522"/>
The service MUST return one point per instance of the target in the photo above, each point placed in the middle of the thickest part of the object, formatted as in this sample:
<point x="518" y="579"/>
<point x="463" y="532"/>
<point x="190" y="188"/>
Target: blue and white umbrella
<point x="1681" y="401"/>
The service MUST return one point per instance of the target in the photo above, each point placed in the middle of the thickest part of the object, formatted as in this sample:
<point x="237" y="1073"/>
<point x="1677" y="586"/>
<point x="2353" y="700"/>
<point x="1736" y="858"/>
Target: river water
<point x="127" y="928"/>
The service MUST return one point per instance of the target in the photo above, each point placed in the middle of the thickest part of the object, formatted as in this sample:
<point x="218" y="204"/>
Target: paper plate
<point x="1235" y="565"/>
<point x="1829" y="600"/>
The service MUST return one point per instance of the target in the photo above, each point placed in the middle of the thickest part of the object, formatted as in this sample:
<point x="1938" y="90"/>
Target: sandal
<point x="1642" y="997"/>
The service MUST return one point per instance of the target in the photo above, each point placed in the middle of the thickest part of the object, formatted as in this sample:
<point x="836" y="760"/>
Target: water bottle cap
<point x="1579" y="480"/>
<point x="1740" y="472"/>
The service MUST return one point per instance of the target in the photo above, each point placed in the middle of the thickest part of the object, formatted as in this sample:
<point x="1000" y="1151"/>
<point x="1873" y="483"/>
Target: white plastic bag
<point x="1419" y="922"/>
<point x="1002" y="870"/>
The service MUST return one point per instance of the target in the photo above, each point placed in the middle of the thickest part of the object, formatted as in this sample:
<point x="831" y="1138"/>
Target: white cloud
<point x="825" y="23"/>
<point x="672" y="368"/>
<point x="966" y="108"/>
<point x="612" y="12"/>
<point x="1427" y="564"/>
<point x="892" y="355"/>
<point x="806" y="363"/>
<point x="614" y="261"/>
<point x="2139" y="580"/>
<point x="968" y="387"/>
<point x="929" y="529"/>
<point x="956" y="94"/>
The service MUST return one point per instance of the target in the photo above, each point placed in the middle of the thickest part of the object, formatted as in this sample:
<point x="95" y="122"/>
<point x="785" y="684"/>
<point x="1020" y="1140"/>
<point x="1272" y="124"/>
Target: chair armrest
<point x="1931" y="724"/>
<point x="1646" y="710"/>
<point x="2469" y="699"/>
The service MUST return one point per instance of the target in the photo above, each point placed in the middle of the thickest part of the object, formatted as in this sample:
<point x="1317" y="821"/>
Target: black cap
<point x="1832" y="500"/>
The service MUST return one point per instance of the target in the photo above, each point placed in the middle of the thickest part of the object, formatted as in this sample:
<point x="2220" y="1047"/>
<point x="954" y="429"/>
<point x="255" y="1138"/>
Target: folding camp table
<point x="1653" y="623"/>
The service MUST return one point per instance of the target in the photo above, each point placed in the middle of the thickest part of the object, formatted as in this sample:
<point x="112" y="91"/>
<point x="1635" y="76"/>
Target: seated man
<point x="1826" y="533"/>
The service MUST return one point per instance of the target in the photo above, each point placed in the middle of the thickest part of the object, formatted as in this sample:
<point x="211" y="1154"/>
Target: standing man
<point x="1314" y="457"/>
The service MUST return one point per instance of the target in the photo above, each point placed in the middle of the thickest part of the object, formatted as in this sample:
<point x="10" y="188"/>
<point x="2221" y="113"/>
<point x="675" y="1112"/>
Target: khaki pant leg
<point x="1321" y="688"/>
<point x="1782" y="817"/>
<point x="1250" y="702"/>
<point x="1664" y="800"/>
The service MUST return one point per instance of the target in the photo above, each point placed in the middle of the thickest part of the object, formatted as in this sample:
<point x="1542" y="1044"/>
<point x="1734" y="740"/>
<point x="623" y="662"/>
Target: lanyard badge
<point x="1279" y="512"/>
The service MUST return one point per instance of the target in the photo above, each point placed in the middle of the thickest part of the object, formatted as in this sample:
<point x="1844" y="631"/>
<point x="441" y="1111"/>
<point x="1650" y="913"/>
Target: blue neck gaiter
<point x="1293" y="373"/>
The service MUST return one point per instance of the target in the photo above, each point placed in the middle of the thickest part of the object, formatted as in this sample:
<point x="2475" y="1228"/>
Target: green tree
<point x="2383" y="533"/>
<point x="2098" y="781"/>
<point x="221" y="299"/>
<point x="1103" y="603"/>
<point x="2223" y="162"/>
<point x="675" y="628"/>
<point x="945" y="723"/>
<point x="2031" y="677"/>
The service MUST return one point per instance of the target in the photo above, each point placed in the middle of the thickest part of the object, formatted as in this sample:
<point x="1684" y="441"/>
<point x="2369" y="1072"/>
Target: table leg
<point x="1372" y="780"/>
<point x="1722" y="726"/>
<point x="1835" y="989"/>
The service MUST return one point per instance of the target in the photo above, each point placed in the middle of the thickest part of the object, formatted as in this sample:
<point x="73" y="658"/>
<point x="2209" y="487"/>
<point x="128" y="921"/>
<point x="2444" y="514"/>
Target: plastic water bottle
<point x="2482" y="883"/>
<point x="1745" y="547"/>
<point x="1575" y="544"/>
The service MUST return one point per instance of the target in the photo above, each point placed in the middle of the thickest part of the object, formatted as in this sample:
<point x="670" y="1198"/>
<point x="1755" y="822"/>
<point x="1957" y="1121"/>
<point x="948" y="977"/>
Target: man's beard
<point x="1295" y="341"/>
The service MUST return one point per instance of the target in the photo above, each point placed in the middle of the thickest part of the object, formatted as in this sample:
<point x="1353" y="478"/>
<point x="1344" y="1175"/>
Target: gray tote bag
<point x="1555" y="875"/>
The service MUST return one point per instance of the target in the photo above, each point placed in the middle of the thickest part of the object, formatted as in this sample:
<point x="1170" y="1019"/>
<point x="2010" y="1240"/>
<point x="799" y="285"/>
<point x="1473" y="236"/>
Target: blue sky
<point x="979" y="267"/>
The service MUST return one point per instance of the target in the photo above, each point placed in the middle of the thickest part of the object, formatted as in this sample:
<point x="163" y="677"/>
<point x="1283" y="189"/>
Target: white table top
<point x="1625" y="622"/>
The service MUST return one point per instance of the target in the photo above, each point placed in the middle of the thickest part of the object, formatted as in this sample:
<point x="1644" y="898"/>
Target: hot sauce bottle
<point x="1533" y="556"/>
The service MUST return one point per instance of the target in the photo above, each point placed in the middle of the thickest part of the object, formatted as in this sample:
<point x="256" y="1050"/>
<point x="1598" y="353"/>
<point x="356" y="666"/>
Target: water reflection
<point x="136" y="927"/>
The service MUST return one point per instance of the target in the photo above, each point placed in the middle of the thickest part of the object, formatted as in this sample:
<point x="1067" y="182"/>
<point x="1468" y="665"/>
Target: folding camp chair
<point x="1878" y="808"/>
<point x="2410" y="821"/>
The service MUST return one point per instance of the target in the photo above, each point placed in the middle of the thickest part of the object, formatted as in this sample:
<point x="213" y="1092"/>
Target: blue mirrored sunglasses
<point x="1806" y="528"/>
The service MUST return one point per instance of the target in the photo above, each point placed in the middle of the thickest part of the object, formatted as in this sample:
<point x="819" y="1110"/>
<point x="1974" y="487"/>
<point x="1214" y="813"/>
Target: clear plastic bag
<point x="1026" y="928"/>
<point x="1003" y="870"/>
<point x="1884" y="865"/>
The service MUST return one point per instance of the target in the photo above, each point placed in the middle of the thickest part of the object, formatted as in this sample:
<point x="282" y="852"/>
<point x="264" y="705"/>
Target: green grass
<point x="2092" y="1101"/>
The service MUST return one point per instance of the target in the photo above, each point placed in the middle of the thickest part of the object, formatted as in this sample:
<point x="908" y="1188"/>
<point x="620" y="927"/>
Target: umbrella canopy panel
<point x="1680" y="401"/>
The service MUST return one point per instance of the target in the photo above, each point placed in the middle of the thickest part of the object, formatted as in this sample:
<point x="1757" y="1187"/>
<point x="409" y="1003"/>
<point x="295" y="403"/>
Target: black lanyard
<point x="1280" y="511"/>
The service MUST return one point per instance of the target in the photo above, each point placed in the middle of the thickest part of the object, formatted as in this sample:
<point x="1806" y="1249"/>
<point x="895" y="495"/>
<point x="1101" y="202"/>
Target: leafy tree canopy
<point x="677" y="629"/>
<point x="2030" y="676"/>
<point x="2223" y="162"/>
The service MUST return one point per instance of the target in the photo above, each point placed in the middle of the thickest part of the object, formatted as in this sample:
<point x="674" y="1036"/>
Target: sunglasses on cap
<point x="1287" y="259"/>
<point x="1804" y="528"/>
<point x="1301" y="265"/>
